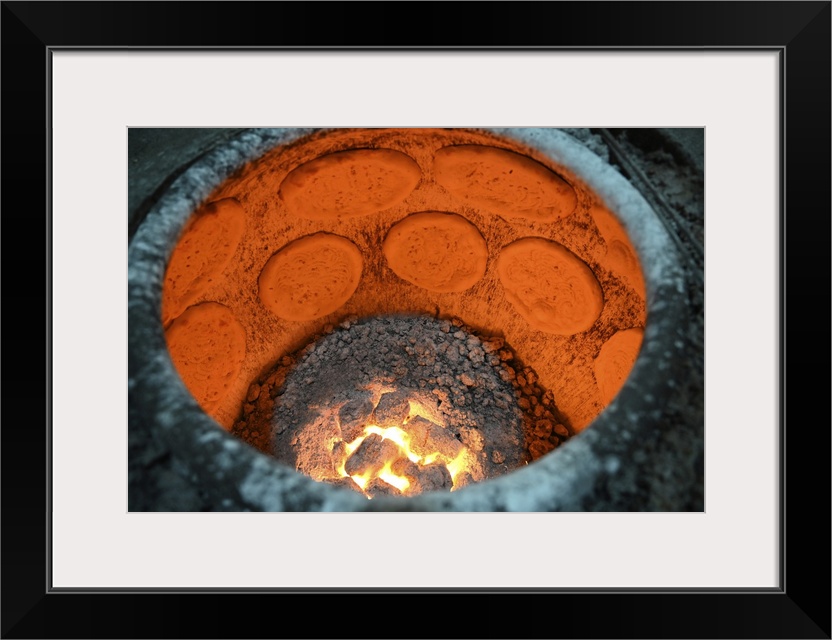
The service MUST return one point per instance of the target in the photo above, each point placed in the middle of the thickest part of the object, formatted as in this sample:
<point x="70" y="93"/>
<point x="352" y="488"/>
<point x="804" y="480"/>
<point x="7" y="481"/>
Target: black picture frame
<point x="799" y="31"/>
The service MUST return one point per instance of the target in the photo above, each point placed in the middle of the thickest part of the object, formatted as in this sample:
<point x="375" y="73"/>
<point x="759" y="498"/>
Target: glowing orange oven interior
<point x="404" y="310"/>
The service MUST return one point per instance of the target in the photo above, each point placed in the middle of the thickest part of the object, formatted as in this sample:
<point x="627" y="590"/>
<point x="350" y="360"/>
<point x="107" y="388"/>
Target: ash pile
<point x="400" y="405"/>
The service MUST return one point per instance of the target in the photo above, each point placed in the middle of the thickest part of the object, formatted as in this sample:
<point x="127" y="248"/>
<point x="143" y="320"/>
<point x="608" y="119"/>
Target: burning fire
<point x="390" y="466"/>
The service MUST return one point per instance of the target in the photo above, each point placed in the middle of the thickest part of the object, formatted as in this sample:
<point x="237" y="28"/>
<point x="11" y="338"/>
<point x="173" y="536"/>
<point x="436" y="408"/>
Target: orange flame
<point x="402" y="440"/>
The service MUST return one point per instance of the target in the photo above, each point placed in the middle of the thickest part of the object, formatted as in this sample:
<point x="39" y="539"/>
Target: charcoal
<point x="379" y="487"/>
<point x="371" y="455"/>
<point x="472" y="438"/>
<point x="405" y="468"/>
<point x="427" y="437"/>
<point x="354" y="415"/>
<point x="344" y="483"/>
<point x="405" y="361"/>
<point x="392" y="409"/>
<point x="433" y="477"/>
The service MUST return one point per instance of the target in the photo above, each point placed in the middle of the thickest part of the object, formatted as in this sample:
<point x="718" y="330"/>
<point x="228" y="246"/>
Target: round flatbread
<point x="616" y="360"/>
<point x="199" y="259"/>
<point x="311" y="277"/>
<point x="552" y="288"/>
<point x="441" y="252"/>
<point x="347" y="184"/>
<point x="208" y="346"/>
<point x="504" y="182"/>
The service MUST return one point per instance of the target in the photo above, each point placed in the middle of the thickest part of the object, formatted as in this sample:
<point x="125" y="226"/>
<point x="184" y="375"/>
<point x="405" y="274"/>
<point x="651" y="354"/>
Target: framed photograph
<point x="79" y="536"/>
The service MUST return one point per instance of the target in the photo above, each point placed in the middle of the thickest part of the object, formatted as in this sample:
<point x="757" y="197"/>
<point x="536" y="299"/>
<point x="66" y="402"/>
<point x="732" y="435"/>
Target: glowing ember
<point x="392" y="456"/>
<point x="400" y="405"/>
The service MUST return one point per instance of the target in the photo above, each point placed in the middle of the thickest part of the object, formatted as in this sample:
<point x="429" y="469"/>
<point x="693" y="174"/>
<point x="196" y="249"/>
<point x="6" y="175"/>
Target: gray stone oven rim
<point x="563" y="480"/>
